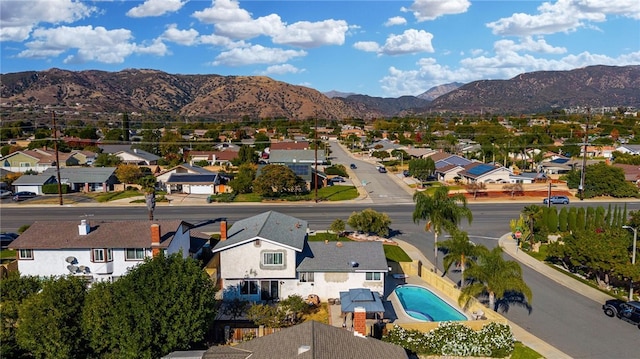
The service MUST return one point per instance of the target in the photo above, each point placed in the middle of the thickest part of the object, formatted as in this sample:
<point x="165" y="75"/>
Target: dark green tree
<point x="370" y="221"/>
<point x="563" y="217"/>
<point x="13" y="291"/>
<point x="581" y="216"/>
<point x="459" y="251"/>
<point x="602" y="180"/>
<point x="246" y="154"/>
<point x="162" y="305"/>
<point x="275" y="180"/>
<point x="242" y="182"/>
<point x="107" y="160"/>
<point x="572" y="218"/>
<point x="49" y="322"/>
<point x="422" y="168"/>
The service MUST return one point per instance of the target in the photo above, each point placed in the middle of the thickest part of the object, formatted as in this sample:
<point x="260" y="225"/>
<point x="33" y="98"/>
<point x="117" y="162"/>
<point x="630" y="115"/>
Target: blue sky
<point x="377" y="48"/>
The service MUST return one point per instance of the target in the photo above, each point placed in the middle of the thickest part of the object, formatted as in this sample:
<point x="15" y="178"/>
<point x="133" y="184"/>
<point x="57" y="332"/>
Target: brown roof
<point x="121" y="234"/>
<point x="290" y="145"/>
<point x="440" y="156"/>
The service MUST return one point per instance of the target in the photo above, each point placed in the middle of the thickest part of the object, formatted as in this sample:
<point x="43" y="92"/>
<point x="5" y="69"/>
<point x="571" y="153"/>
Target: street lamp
<point x="633" y="256"/>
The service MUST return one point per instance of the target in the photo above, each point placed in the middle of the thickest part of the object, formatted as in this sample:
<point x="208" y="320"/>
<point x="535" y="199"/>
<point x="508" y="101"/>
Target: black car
<point x="627" y="311"/>
<point x="353" y="166"/>
<point x="6" y="239"/>
<point x="21" y="196"/>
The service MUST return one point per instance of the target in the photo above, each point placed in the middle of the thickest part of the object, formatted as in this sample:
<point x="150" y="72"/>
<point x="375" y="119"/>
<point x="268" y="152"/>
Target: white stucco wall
<point x="329" y="285"/>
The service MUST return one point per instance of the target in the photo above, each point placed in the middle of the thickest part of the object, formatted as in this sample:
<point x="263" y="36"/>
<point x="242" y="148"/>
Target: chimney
<point x="155" y="239"/>
<point x="223" y="230"/>
<point x="84" y="228"/>
<point x="360" y="321"/>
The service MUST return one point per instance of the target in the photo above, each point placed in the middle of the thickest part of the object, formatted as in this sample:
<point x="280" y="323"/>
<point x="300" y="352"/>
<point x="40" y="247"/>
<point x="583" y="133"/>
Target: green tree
<point x="532" y="213"/>
<point x="113" y="135"/>
<point x="337" y="227"/>
<point x="277" y="180"/>
<point x="127" y="173"/>
<point x="261" y="141"/>
<point x="563" y="217"/>
<point x="162" y="305"/>
<point x="13" y="291"/>
<point x="422" y="168"/>
<point x="441" y="211"/>
<point x="289" y="311"/>
<point x="246" y="154"/>
<point x="459" y="251"/>
<point x="370" y="221"/>
<point x="500" y="279"/>
<point x="243" y="180"/>
<point x="49" y="322"/>
<point x="107" y="160"/>
<point x="602" y="180"/>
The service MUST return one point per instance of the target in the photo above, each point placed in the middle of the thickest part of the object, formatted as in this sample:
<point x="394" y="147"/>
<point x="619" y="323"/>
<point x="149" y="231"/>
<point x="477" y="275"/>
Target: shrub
<point x="223" y="197"/>
<point x="52" y="188"/>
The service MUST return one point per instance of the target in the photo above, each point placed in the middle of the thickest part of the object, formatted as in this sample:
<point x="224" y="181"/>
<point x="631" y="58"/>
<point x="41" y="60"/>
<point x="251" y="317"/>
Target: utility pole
<point x="55" y="147"/>
<point x="315" y="175"/>
<point x="584" y="156"/>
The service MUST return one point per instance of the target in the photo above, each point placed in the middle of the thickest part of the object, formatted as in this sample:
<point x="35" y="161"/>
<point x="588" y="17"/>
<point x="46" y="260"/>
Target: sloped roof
<point x="313" y="340"/>
<point x="83" y="174"/>
<point x="120" y="234"/>
<point x="185" y="166"/>
<point x="193" y="178"/>
<point x="334" y="257"/>
<point x="361" y="297"/>
<point x="272" y="226"/>
<point x="136" y="152"/>
<point x="289" y="145"/>
<point x="34" y="180"/>
<point x="301" y="156"/>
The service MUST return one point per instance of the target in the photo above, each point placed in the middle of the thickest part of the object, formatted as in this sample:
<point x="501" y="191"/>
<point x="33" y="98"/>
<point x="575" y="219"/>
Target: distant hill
<point x="437" y="91"/>
<point x="593" y="86"/>
<point x="233" y="97"/>
<point x="333" y="93"/>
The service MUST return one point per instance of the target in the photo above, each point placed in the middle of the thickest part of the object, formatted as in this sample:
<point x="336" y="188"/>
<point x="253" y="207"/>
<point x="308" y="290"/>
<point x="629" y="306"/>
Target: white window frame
<point x="138" y="254"/>
<point x="371" y="276"/>
<point x="25" y="254"/>
<point x="307" y="277"/>
<point x="270" y="259"/>
<point x="106" y="255"/>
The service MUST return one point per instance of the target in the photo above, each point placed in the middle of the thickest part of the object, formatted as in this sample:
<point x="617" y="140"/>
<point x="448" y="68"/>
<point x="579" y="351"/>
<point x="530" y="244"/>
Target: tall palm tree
<point x="531" y="212"/>
<point x="493" y="276"/>
<point x="458" y="250"/>
<point x="441" y="211"/>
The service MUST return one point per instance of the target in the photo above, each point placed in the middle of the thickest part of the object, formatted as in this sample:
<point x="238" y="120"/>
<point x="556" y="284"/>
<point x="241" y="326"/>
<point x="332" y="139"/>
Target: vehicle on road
<point x="353" y="166"/>
<point x="627" y="311"/>
<point x="337" y="179"/>
<point x="4" y="193"/>
<point x="6" y="238"/>
<point x="381" y="169"/>
<point x="556" y="200"/>
<point x="21" y="196"/>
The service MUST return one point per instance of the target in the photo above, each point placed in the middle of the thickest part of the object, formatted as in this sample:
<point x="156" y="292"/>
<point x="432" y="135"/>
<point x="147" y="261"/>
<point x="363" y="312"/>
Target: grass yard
<point x="522" y="351"/>
<point x="112" y="196"/>
<point x="395" y="253"/>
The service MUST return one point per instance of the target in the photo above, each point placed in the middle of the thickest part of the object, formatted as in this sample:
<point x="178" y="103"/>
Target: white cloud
<point x="425" y="10"/>
<point x="256" y="54"/>
<point x="18" y="18"/>
<point x="368" y="46"/>
<point x="527" y="44"/>
<point x="229" y="20"/>
<point x="182" y="37"/>
<point x="155" y="8"/>
<point x="282" y="69"/>
<point x="92" y="44"/>
<point x="396" y="20"/>
<point x="312" y="34"/>
<point x="564" y="16"/>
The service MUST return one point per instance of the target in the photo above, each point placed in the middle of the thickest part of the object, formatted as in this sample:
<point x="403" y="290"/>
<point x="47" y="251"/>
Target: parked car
<point x="4" y="193"/>
<point x="6" y="239"/>
<point x="353" y="166"/>
<point x="627" y="311"/>
<point x="406" y="173"/>
<point x="21" y="196"/>
<point x="337" y="179"/>
<point x="382" y="170"/>
<point x="556" y="200"/>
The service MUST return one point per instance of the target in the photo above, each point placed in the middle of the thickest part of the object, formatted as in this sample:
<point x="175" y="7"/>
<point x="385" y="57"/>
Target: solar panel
<point x="480" y="169"/>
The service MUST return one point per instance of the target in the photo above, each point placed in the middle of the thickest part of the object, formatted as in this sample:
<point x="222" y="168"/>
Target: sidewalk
<point x="528" y="339"/>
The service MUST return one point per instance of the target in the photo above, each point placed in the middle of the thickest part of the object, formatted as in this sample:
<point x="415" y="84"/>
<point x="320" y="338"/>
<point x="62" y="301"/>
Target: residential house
<point x="212" y="158"/>
<point x="100" y="251"/>
<point x="289" y="145"/>
<point x="448" y="166"/>
<point x="33" y="183"/>
<point x="36" y="160"/>
<point x="86" y="179"/>
<point x="598" y="151"/>
<point x="477" y="172"/>
<point x="278" y="261"/>
<point x="384" y="145"/>
<point x="137" y="156"/>
<point x="307" y="340"/>
<point x="196" y="183"/>
<point x="630" y="149"/>
<point x="419" y="152"/>
<point x="185" y="168"/>
<point x="302" y="163"/>
<point x="631" y="172"/>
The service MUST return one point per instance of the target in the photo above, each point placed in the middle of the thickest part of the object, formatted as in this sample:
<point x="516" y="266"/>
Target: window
<point x="249" y="287"/>
<point x="306" y="276"/>
<point x="102" y="255"/>
<point x="272" y="258"/>
<point x="134" y="254"/>
<point x="373" y="276"/>
<point x="25" y="254"/>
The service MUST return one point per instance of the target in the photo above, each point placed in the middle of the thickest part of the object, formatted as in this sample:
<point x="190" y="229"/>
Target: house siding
<point x="329" y="285"/>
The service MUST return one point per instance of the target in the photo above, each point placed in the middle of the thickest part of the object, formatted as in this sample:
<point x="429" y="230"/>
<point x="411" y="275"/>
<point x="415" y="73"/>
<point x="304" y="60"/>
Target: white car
<point x="5" y="193"/>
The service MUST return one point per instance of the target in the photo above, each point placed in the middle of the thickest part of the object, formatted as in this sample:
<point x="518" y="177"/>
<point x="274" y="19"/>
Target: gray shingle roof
<point x="121" y="234"/>
<point x="316" y="341"/>
<point x="83" y="174"/>
<point x="298" y="156"/>
<point x="34" y="180"/>
<point x="331" y="257"/>
<point x="272" y="226"/>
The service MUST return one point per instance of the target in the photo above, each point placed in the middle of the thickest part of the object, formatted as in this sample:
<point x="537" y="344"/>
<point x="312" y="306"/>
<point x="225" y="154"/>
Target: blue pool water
<point x="420" y="303"/>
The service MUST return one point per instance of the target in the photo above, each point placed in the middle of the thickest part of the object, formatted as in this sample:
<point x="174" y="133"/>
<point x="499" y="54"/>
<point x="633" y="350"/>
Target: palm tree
<point x="458" y="250"/>
<point x="493" y="276"/>
<point x="441" y="211"/>
<point x="531" y="212"/>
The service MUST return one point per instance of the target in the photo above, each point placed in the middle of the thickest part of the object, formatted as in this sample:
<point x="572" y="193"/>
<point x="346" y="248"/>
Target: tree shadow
<point x="512" y="299"/>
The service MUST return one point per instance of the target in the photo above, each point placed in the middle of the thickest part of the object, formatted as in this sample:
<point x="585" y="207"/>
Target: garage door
<point x="201" y="189"/>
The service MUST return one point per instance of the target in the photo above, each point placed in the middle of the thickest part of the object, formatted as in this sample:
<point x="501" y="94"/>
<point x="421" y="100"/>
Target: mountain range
<point x="216" y="97"/>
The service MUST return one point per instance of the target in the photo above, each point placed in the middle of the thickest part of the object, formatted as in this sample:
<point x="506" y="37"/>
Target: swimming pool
<point x="422" y="304"/>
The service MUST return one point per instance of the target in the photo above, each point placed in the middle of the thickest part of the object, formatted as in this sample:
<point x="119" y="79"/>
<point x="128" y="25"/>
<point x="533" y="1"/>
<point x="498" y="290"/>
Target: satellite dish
<point x="72" y="268"/>
<point x="82" y="269"/>
<point x="70" y="259"/>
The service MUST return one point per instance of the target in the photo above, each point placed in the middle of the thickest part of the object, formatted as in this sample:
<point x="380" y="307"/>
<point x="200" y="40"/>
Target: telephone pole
<point x="55" y="147"/>
<point x="584" y="156"/>
<point x="315" y="175"/>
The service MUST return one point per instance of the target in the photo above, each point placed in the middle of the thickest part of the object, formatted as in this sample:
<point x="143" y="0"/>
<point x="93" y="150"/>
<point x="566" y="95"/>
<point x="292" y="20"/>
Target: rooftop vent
<point x="303" y="349"/>
<point x="354" y="264"/>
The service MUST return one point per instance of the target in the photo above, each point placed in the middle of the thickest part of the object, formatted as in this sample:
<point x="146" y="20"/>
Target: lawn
<point x="112" y="196"/>
<point x="395" y="253"/>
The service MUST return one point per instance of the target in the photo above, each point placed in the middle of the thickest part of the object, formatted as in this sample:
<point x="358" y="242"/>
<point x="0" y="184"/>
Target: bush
<point x="338" y="170"/>
<point x="52" y="188"/>
<point x="223" y="197"/>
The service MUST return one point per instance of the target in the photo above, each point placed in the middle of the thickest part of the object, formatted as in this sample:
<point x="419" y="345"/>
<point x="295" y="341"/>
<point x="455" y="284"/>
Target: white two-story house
<point x="100" y="251"/>
<point x="267" y="257"/>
